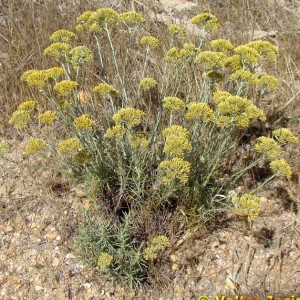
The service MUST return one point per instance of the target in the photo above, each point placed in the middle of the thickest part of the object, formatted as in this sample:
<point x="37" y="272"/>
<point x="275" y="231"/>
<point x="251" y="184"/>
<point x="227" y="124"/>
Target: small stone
<point x="8" y="229"/>
<point x="38" y="288"/>
<point x="55" y="262"/>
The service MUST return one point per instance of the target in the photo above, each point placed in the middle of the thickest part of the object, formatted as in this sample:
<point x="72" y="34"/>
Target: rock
<point x="55" y="262"/>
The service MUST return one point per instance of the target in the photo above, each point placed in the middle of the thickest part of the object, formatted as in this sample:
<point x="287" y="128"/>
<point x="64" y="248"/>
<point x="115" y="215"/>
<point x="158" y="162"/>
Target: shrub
<point x="159" y="138"/>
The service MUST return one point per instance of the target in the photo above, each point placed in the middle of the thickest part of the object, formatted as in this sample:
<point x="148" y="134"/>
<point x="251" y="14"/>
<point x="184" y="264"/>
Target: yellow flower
<point x="173" y="56"/>
<point x="175" y="169"/>
<point x="54" y="72"/>
<point x="265" y="49"/>
<point x="248" y="54"/>
<point x="284" y="135"/>
<point x="115" y="131"/>
<point x="69" y="147"/>
<point x="63" y="36"/>
<point x="150" y="253"/>
<point x="139" y="141"/>
<point x="4" y="148"/>
<point x="83" y="123"/>
<point x="234" y="62"/>
<point x="224" y="121"/>
<point x="82" y="20"/>
<point x="104" y="261"/>
<point x="65" y="87"/>
<point x="128" y="116"/>
<point x="47" y="117"/>
<point x="80" y="55"/>
<point x="281" y="168"/>
<point x="199" y="111"/>
<point x="207" y="21"/>
<point x="27" y="105"/>
<point x="243" y="75"/>
<point x="268" y="82"/>
<point x="105" y="89"/>
<point x="220" y="96"/>
<point x="189" y="50"/>
<point x="173" y="103"/>
<point x="131" y="18"/>
<point x="149" y="41"/>
<point x="57" y="50"/>
<point x="33" y="146"/>
<point x="221" y="45"/>
<point x="102" y="17"/>
<point x="176" y="30"/>
<point x="247" y="206"/>
<point x="26" y="74"/>
<point x="20" y="118"/>
<point x="211" y="59"/>
<point x="148" y="83"/>
<point x="177" y="141"/>
<point x="268" y="147"/>
<point x="158" y="243"/>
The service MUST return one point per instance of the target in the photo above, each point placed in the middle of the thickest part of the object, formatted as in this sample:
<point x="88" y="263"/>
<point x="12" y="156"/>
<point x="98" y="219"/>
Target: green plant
<point x="152" y="135"/>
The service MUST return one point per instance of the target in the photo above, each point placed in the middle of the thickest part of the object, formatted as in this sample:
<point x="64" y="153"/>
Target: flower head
<point x="149" y="41"/>
<point x="207" y="21"/>
<point x="103" y="17"/>
<point x="173" y="56"/>
<point x="189" y="50"/>
<point x="148" y="83"/>
<point x="33" y="146"/>
<point x="69" y="147"/>
<point x="82" y="20"/>
<point x="131" y="18"/>
<point x="57" y="50"/>
<point x="80" y="55"/>
<point x="248" y="54"/>
<point x="20" y="118"/>
<point x="4" y="148"/>
<point x="268" y="147"/>
<point x="234" y="62"/>
<point x="281" y="168"/>
<point x="104" y="261"/>
<point x="198" y="110"/>
<point x="105" y="89"/>
<point x="221" y="45"/>
<point x="211" y="59"/>
<point x="243" y="75"/>
<point x="27" y="105"/>
<point x="83" y="123"/>
<point x="247" y="206"/>
<point x="128" y="116"/>
<point x="65" y="87"/>
<point x="139" y="141"/>
<point x="175" y="169"/>
<point x="173" y="103"/>
<point x="115" y="131"/>
<point x="47" y="117"/>
<point x="284" y="135"/>
<point x="158" y="243"/>
<point x="265" y="49"/>
<point x="176" y="30"/>
<point x="267" y="82"/>
<point x="63" y="36"/>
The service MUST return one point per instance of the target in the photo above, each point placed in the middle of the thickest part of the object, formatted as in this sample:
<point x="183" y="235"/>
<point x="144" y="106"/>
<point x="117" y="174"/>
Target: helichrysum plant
<point x="158" y="130"/>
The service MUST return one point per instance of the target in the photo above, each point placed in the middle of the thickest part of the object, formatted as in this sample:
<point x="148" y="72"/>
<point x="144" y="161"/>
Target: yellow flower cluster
<point x="211" y="59"/>
<point x="63" y="36"/>
<point x="268" y="82"/>
<point x="281" y="168"/>
<point x="57" y="50"/>
<point x="69" y="147"/>
<point x="176" y="30"/>
<point x="207" y="21"/>
<point x="20" y="118"/>
<point x="149" y="41"/>
<point x="82" y="20"/>
<point x="105" y="89"/>
<point x="139" y="141"/>
<point x="128" y="116"/>
<point x="239" y="109"/>
<point x="4" y="148"/>
<point x="39" y="77"/>
<point x="265" y="49"/>
<point x="284" y="135"/>
<point x="80" y="55"/>
<point x="47" y="117"/>
<point x="234" y="62"/>
<point x="248" y="54"/>
<point x="33" y="146"/>
<point x="115" y="131"/>
<point x="268" y="147"/>
<point x="148" y="83"/>
<point x="173" y="56"/>
<point x="243" y="75"/>
<point x="101" y="18"/>
<point x="131" y="18"/>
<point x="83" y="123"/>
<point x="173" y="103"/>
<point x="198" y="110"/>
<point x="175" y="169"/>
<point x="189" y="50"/>
<point x="104" y="261"/>
<point x="247" y="206"/>
<point x="221" y="45"/>
<point x="177" y="141"/>
<point x="65" y="87"/>
<point x="27" y="105"/>
<point x="158" y="243"/>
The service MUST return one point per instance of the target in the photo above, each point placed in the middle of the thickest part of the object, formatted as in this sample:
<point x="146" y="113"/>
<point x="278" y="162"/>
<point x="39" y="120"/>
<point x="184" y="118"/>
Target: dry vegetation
<point x="40" y="214"/>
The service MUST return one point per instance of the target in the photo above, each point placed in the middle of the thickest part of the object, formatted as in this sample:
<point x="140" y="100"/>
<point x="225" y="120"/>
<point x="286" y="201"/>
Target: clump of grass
<point x="149" y="157"/>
